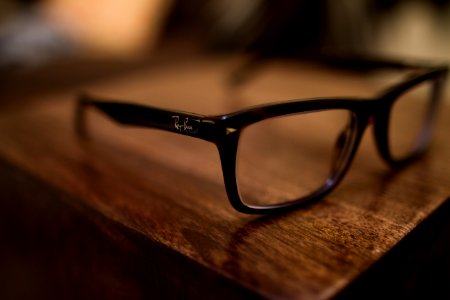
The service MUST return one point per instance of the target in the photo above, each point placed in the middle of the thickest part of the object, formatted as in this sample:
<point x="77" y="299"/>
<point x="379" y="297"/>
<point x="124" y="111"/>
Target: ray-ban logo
<point x="187" y="125"/>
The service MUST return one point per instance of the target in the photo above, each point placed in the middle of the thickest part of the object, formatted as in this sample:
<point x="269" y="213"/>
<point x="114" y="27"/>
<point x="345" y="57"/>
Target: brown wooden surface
<point x="167" y="189"/>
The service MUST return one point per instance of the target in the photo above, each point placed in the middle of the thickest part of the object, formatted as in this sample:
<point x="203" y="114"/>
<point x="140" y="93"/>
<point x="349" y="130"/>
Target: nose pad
<point x="340" y="151"/>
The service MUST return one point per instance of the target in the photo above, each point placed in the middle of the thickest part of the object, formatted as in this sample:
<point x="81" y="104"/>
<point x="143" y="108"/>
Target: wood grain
<point x="168" y="190"/>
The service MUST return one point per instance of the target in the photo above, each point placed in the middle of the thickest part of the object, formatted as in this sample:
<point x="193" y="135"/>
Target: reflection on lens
<point x="287" y="158"/>
<point x="408" y="121"/>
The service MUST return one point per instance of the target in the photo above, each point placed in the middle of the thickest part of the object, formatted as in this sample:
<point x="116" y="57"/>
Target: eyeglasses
<point x="283" y="155"/>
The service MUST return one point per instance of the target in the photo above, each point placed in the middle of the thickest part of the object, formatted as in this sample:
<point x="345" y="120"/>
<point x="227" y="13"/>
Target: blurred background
<point x="37" y="34"/>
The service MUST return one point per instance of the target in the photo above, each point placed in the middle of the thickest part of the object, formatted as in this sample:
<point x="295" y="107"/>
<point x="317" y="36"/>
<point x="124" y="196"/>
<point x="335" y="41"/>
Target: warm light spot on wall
<point x="114" y="27"/>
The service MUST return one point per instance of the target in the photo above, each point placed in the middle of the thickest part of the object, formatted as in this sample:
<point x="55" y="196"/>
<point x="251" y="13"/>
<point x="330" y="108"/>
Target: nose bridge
<point x="375" y="112"/>
<point x="378" y="117"/>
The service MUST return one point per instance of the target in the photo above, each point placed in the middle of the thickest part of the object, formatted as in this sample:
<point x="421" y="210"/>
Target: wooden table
<point x="137" y="213"/>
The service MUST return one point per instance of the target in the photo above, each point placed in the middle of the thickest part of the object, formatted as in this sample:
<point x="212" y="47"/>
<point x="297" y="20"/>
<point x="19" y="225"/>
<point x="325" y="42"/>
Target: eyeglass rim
<point x="374" y="109"/>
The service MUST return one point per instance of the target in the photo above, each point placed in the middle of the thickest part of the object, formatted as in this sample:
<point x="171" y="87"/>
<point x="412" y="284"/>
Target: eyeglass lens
<point x="286" y="158"/>
<point x="409" y="120"/>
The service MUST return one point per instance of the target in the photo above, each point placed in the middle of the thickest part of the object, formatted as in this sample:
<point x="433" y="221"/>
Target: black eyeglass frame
<point x="224" y="130"/>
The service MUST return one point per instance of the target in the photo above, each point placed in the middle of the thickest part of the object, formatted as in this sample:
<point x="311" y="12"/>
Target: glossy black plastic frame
<point x="224" y="130"/>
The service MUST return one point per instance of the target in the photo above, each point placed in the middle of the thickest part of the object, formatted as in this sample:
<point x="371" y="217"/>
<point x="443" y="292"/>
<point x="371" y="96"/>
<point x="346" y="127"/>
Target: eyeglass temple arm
<point x="250" y="67"/>
<point x="146" y="116"/>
